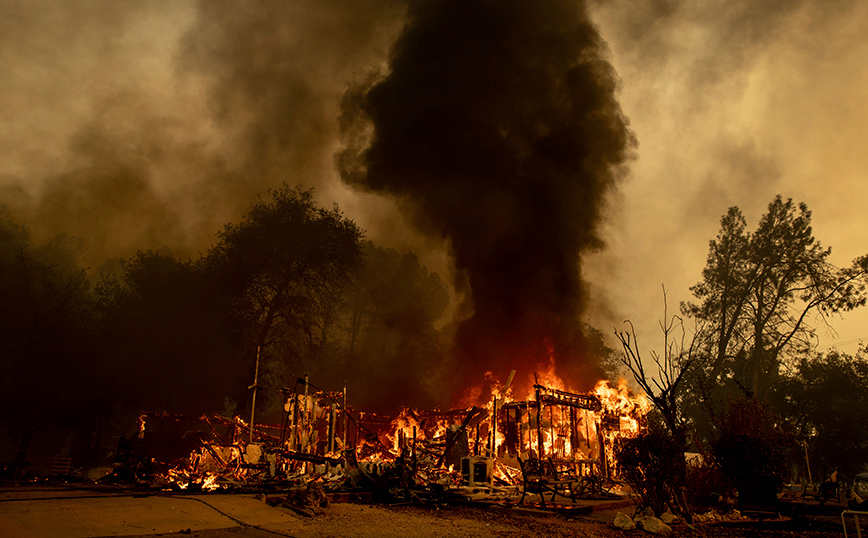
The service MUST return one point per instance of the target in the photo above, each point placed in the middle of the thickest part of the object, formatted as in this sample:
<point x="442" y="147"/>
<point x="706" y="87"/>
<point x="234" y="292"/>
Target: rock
<point x="669" y="518"/>
<point x="624" y="522"/>
<point x="653" y="525"/>
<point x="648" y="512"/>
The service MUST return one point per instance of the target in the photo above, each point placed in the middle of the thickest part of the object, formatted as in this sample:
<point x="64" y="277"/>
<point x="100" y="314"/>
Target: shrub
<point x="704" y="480"/>
<point x="751" y="439"/>
<point x="653" y="464"/>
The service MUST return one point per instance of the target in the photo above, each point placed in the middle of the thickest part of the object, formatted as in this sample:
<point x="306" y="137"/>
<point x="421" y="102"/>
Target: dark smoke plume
<point x="498" y="129"/>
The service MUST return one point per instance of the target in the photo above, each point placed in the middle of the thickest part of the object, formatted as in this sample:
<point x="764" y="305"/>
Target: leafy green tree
<point x="827" y="400"/>
<point x="757" y="294"/>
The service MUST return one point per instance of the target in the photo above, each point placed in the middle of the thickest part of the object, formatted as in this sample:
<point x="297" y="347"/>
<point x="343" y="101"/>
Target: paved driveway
<point x="86" y="517"/>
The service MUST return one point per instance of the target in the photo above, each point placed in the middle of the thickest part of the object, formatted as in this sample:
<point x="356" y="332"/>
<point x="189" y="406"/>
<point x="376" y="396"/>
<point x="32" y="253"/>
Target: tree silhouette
<point x="46" y="336"/>
<point x="758" y="291"/>
<point x="387" y="332"/>
<point x="283" y="269"/>
<point x="828" y="403"/>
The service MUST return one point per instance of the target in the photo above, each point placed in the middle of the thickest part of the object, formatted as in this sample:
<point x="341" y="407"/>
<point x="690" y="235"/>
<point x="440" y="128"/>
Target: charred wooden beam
<point x="552" y="396"/>
<point x="311" y="458"/>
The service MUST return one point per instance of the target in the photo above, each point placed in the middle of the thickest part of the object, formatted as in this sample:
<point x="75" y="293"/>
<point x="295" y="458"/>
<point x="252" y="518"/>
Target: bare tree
<point x="665" y="386"/>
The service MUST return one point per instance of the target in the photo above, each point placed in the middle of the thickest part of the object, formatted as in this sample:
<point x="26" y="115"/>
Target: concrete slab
<point x="128" y="516"/>
<point x="251" y="511"/>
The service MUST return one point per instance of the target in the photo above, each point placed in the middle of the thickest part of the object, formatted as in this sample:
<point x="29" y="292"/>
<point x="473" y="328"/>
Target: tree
<point x="757" y="293"/>
<point x="283" y="268"/>
<point x="46" y="329"/>
<point x="174" y="342"/>
<point x="751" y="438"/>
<point x="664" y="474"/>
<point x="827" y="400"/>
<point x="665" y="387"/>
<point x="387" y="330"/>
<point x="609" y="358"/>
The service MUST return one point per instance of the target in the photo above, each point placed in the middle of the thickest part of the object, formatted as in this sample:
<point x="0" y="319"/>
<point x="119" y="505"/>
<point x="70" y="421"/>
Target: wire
<point x="844" y="343"/>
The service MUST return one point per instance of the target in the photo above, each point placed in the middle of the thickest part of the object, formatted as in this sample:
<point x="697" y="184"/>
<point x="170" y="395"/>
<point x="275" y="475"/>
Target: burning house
<point x="484" y="448"/>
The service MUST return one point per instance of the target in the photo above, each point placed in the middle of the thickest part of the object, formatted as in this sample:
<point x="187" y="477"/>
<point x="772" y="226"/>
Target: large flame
<point x="575" y="430"/>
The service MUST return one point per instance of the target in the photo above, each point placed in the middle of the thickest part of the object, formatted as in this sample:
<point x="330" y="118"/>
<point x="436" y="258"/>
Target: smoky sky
<point x="136" y="125"/>
<point x="147" y="125"/>
<point x="498" y="128"/>
<point x="733" y="102"/>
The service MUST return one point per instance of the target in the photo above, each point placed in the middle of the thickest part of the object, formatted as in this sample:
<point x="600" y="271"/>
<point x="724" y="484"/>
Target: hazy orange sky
<point x="139" y="125"/>
<point x="733" y="103"/>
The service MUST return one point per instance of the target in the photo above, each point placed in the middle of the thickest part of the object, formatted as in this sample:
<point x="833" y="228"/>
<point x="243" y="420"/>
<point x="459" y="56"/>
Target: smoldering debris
<point x="554" y="449"/>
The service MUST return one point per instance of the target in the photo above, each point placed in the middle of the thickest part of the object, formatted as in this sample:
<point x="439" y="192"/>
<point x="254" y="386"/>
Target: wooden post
<point x="552" y="429"/>
<point x="539" y="439"/>
<point x="293" y="407"/>
<point x="574" y="438"/>
<point x="494" y="428"/>
<point x="508" y="383"/>
<point x="332" y="417"/>
<point x="604" y="461"/>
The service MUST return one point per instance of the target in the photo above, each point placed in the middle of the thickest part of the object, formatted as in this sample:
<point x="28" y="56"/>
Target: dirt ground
<point x="371" y="521"/>
<point x="366" y="520"/>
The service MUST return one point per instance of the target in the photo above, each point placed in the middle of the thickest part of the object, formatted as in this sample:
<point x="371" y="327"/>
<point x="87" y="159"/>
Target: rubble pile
<point x="473" y="455"/>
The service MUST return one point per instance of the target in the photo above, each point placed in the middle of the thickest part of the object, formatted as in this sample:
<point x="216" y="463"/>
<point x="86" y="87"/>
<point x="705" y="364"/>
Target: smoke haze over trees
<point x="47" y="334"/>
<point x="292" y="280"/>
<point x="135" y="126"/>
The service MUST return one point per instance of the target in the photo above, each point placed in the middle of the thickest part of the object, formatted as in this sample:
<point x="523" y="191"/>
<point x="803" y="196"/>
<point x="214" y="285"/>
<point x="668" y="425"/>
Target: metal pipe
<point x="808" y="464"/>
<point x="346" y="419"/>
<point x="254" y="386"/>
<point x="304" y="418"/>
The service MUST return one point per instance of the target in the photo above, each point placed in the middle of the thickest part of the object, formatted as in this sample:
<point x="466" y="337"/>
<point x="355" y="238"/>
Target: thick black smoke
<point x="498" y="128"/>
